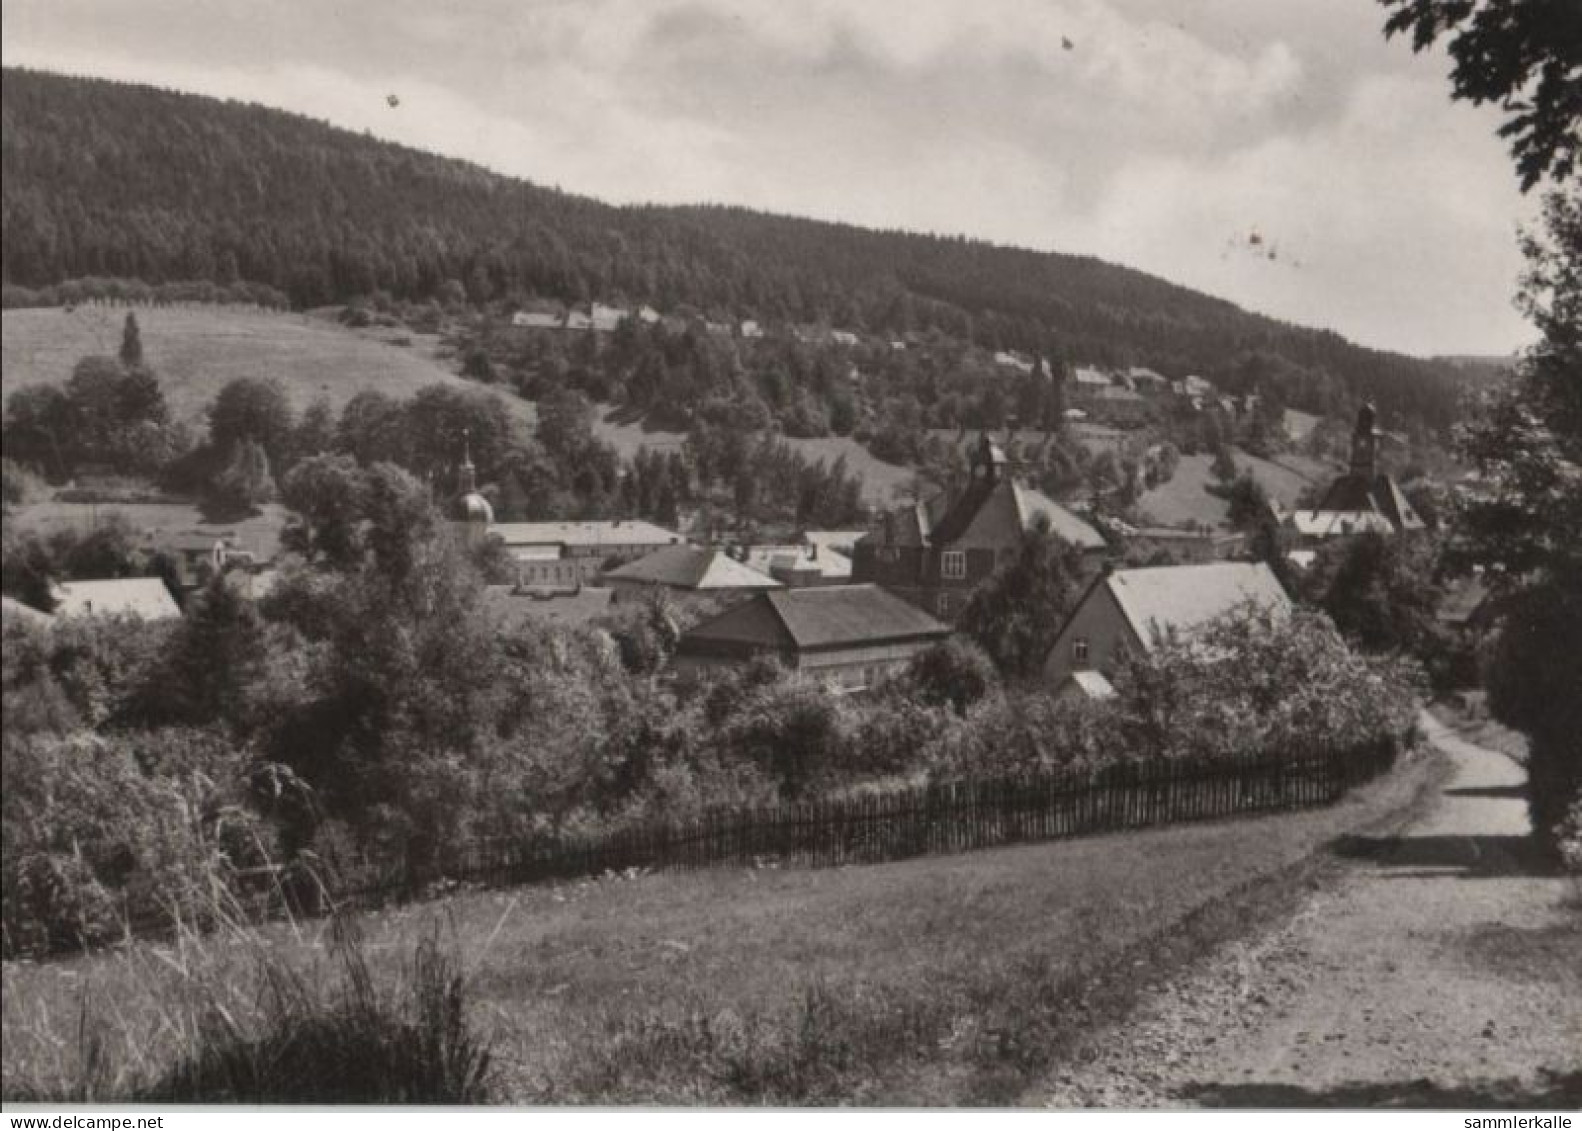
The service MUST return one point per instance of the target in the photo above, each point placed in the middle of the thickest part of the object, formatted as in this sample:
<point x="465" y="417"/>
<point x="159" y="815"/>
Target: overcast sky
<point x="1276" y="152"/>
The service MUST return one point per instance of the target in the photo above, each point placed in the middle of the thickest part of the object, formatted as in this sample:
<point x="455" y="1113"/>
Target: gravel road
<point x="1440" y="970"/>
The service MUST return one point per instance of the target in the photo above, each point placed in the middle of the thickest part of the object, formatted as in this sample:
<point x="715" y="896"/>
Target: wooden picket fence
<point x="933" y="819"/>
<point x="926" y="820"/>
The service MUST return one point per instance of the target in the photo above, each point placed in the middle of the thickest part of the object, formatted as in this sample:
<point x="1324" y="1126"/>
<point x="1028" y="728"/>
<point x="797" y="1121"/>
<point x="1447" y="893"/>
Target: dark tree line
<point x="109" y="180"/>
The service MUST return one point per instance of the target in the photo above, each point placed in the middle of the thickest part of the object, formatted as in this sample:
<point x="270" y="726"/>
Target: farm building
<point x="848" y="635"/>
<point x="1134" y="608"/>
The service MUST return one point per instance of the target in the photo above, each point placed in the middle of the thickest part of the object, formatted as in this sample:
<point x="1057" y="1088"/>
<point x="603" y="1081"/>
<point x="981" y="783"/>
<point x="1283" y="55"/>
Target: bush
<point x="954" y="672"/>
<point x="101" y="829"/>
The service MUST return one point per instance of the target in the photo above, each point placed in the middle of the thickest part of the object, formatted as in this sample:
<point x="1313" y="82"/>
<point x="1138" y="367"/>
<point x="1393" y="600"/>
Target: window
<point x="889" y="554"/>
<point x="943" y="602"/>
<point x="953" y="565"/>
<point x="1079" y="650"/>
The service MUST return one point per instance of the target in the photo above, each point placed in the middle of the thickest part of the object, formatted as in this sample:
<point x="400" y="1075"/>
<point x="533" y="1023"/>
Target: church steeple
<point x="469" y="483"/>
<point x="1365" y="444"/>
<point x="470" y="509"/>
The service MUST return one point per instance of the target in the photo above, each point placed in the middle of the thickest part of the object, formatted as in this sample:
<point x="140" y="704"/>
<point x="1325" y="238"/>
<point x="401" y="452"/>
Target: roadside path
<point x="1441" y="970"/>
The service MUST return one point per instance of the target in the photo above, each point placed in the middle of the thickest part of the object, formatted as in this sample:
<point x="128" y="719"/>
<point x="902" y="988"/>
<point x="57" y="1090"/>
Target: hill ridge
<point x="123" y="179"/>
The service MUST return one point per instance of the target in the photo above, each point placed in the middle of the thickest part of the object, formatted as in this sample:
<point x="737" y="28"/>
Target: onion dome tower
<point x="470" y="511"/>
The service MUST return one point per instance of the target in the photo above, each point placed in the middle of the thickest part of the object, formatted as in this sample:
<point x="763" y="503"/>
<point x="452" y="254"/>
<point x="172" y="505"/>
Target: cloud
<point x="1160" y="133"/>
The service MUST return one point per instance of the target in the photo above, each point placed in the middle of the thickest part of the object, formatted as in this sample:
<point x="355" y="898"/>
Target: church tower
<point x="470" y="511"/>
<point x="1365" y="444"/>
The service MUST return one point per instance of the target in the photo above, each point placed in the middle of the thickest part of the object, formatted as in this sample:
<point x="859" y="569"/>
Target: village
<point x="686" y="555"/>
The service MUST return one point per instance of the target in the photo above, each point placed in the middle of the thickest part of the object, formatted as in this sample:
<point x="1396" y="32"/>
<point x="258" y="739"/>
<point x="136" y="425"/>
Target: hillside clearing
<point x="1185" y="500"/>
<point x="196" y="350"/>
<point x="882" y="483"/>
<point x="932" y="981"/>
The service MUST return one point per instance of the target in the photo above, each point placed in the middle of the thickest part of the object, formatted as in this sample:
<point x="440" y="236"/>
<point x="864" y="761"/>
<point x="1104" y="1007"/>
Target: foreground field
<point x="196" y="350"/>
<point x="935" y="981"/>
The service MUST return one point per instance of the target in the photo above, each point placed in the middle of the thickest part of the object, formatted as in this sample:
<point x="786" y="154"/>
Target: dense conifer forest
<point x="131" y="182"/>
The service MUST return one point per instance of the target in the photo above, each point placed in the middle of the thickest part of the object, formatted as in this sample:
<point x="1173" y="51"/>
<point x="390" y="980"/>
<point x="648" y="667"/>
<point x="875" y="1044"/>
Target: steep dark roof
<point x="999" y="512"/>
<point x="825" y="617"/>
<point x="1352" y="494"/>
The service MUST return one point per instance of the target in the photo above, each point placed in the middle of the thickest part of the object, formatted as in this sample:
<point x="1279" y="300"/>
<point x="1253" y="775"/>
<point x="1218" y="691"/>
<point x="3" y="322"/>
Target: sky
<point x="1278" y="153"/>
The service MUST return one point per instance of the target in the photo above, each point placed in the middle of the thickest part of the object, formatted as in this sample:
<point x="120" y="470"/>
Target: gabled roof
<point x="1380" y="495"/>
<point x="1086" y="375"/>
<point x="143" y="597"/>
<point x="1000" y="511"/>
<point x="826" y="617"/>
<point x="1164" y="599"/>
<point x="613" y="532"/>
<point x="692" y="568"/>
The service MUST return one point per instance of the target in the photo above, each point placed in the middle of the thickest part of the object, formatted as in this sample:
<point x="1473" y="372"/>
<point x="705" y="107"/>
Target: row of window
<point x="952" y="563"/>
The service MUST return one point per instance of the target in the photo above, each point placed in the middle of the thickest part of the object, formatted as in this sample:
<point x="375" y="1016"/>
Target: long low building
<point x="850" y="636"/>
<point x="560" y="553"/>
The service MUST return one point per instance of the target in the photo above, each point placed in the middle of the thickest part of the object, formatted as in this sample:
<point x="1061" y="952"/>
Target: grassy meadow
<point x="946" y="980"/>
<point x="1185" y="498"/>
<point x="196" y="350"/>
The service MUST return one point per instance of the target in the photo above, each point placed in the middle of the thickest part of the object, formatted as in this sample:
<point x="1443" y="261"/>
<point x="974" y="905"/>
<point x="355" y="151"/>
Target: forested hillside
<point x="107" y="179"/>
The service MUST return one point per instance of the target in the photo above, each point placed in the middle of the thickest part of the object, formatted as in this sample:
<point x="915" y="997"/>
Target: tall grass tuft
<point x="357" y="1045"/>
<point x="225" y="1018"/>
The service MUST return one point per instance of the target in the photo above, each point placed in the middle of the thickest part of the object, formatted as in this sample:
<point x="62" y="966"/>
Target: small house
<point x="1134" y="609"/>
<point x="850" y="636"/>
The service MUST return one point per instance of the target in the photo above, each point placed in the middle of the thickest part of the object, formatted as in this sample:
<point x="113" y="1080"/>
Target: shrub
<point x="98" y="829"/>
<point x="954" y="672"/>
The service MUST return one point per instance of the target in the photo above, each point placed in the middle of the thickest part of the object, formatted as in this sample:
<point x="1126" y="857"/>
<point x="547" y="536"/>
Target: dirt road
<point x="1442" y="969"/>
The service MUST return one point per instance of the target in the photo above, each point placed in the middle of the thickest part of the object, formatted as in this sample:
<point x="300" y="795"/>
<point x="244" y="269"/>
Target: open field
<point x="1185" y="500"/>
<point x="196" y="350"/>
<point x="933" y="981"/>
<point x="259" y="534"/>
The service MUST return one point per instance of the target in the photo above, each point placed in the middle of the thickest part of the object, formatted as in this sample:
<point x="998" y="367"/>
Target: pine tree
<point x="131" y="343"/>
